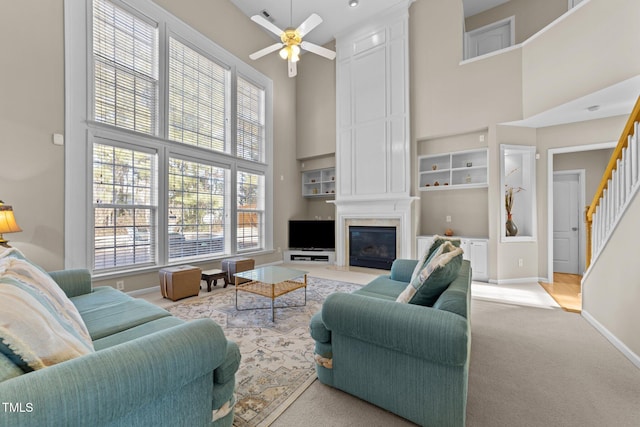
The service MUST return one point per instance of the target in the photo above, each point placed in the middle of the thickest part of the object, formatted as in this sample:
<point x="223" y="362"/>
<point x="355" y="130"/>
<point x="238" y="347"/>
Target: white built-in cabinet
<point x="475" y="250"/>
<point x="462" y="169"/>
<point x="372" y="101"/>
<point x="319" y="183"/>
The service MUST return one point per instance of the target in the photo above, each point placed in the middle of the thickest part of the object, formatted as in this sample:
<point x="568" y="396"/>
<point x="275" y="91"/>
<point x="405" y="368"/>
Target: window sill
<point x="195" y="262"/>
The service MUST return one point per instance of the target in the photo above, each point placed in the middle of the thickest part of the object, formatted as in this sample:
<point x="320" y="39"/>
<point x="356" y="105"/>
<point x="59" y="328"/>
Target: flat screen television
<point x="312" y="234"/>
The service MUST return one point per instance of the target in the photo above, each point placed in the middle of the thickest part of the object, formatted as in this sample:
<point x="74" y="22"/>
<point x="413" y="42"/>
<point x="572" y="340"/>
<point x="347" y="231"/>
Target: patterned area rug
<point x="277" y="357"/>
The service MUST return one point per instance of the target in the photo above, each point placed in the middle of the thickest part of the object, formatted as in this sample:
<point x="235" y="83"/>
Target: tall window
<point x="250" y="121"/>
<point x="197" y="98"/>
<point x="125" y="207"/>
<point x="170" y="154"/>
<point x="250" y="210"/>
<point x="125" y="57"/>
<point x="197" y="200"/>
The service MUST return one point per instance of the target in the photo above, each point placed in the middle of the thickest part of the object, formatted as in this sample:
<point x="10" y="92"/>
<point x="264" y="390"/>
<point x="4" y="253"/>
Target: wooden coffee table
<point x="271" y="282"/>
<point x="213" y="276"/>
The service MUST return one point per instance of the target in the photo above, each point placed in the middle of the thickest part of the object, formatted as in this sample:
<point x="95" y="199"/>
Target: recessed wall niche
<point x="518" y="184"/>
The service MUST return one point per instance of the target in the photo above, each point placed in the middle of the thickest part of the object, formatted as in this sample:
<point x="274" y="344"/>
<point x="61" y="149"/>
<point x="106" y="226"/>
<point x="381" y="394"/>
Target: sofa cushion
<point x="41" y="326"/>
<point x="99" y="296"/>
<point x="382" y="287"/>
<point x="137" y="332"/>
<point x="114" y="318"/>
<point x="441" y="269"/>
<point x="436" y="242"/>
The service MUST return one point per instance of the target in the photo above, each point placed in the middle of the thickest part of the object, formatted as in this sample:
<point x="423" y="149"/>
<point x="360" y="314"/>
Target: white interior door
<point x="489" y="38"/>
<point x="566" y="222"/>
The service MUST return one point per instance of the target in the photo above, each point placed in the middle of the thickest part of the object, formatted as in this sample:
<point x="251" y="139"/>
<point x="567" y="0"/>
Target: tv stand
<point x="310" y="256"/>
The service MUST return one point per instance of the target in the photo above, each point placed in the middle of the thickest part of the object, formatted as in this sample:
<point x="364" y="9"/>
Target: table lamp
<point x="7" y="223"/>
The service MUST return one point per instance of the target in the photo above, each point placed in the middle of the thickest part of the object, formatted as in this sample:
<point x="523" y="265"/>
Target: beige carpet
<point x="530" y="367"/>
<point x="277" y="357"/>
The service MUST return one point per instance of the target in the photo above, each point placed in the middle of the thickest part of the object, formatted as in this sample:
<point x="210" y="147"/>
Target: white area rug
<point x="277" y="357"/>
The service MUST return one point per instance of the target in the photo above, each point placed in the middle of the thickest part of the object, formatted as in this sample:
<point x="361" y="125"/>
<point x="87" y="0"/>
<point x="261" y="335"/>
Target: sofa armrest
<point x="402" y="269"/>
<point x="423" y="332"/>
<point x="110" y="384"/>
<point x="73" y="282"/>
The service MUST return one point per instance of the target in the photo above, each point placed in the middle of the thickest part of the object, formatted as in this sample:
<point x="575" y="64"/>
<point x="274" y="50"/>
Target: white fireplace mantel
<point x="373" y="131"/>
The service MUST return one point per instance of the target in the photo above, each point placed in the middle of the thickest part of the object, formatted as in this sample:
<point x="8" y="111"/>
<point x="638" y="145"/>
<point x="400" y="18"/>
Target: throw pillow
<point x="40" y="325"/>
<point x="435" y="277"/>
<point x="436" y="242"/>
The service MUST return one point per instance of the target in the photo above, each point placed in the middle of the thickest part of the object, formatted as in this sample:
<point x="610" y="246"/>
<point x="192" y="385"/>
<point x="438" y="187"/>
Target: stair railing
<point x="619" y="183"/>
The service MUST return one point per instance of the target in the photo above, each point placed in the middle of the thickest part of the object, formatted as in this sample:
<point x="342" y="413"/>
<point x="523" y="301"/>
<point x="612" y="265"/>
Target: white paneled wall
<point x="372" y="80"/>
<point x="621" y="187"/>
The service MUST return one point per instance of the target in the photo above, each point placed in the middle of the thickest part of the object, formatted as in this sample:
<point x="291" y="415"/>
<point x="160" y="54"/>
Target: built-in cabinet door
<point x="478" y="251"/>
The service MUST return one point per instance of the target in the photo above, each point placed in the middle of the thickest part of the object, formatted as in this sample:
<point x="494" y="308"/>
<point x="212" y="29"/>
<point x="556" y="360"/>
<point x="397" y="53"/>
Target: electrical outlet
<point x="279" y="249"/>
<point x="520" y="262"/>
<point x="120" y="285"/>
<point x="448" y="218"/>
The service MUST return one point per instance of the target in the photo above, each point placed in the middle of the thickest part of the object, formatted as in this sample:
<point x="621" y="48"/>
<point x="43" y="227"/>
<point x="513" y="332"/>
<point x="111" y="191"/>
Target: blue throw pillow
<point x="436" y="242"/>
<point x="441" y="269"/>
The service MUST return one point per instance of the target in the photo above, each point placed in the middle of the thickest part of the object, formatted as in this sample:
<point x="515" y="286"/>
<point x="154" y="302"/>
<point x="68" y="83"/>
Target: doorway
<point x="551" y="153"/>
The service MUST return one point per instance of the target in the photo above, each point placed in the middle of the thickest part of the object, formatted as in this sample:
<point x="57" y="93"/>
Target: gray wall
<point x="594" y="163"/>
<point x="530" y="16"/>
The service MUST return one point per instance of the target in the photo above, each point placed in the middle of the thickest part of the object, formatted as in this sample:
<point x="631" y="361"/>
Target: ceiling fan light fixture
<point x="284" y="52"/>
<point x="353" y="3"/>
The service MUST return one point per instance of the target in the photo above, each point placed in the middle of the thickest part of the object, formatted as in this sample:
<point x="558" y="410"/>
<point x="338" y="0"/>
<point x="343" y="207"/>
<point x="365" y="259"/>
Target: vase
<point x="510" y="226"/>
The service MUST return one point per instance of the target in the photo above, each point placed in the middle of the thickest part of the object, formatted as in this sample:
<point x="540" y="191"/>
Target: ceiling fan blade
<point x="267" y="50"/>
<point x="318" y="50"/>
<point x="266" y="24"/>
<point x="309" y="24"/>
<point x="293" y="68"/>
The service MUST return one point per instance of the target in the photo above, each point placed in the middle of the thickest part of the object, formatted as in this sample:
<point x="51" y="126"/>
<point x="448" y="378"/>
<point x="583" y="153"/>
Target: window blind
<point x="124" y="194"/>
<point x="197" y="98"/>
<point x="125" y="54"/>
<point x="250" y="223"/>
<point x="250" y="121"/>
<point x="197" y="200"/>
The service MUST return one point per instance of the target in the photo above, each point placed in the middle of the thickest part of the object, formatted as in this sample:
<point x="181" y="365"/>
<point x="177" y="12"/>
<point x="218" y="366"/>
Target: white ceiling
<point x="336" y="14"/>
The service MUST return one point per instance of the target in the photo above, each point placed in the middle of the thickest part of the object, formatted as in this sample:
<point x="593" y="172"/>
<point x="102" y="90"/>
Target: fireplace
<point x="373" y="247"/>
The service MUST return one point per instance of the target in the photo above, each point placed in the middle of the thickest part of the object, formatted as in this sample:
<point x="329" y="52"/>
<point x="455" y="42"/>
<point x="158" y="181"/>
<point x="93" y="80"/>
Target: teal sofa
<point x="148" y="368"/>
<point x="409" y="359"/>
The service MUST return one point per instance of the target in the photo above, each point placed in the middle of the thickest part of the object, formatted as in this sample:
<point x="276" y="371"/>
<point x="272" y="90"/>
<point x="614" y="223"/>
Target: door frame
<point x="550" y="153"/>
<point x="582" y="230"/>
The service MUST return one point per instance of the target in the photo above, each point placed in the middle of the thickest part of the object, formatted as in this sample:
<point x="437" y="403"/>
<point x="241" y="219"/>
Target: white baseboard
<point x="518" y="281"/>
<point x="139" y="292"/>
<point x="634" y="358"/>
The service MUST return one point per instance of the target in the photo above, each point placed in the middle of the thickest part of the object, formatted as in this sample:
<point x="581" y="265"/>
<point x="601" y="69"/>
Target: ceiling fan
<point x="291" y="42"/>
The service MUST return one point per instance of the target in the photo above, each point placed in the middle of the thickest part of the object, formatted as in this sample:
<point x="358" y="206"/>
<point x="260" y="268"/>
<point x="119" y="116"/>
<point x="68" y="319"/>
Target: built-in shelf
<point x="462" y="169"/>
<point x="319" y="183"/>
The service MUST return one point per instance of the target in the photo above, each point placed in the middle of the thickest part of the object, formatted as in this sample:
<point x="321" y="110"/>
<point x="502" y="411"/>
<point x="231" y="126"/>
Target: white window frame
<point x="81" y="129"/>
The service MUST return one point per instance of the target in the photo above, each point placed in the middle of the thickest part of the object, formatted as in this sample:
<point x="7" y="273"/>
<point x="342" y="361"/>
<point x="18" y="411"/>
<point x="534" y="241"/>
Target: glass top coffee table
<point x="271" y="282"/>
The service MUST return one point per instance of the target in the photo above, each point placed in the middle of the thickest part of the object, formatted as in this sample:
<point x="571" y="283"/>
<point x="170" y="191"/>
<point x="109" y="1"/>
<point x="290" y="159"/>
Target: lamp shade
<point x="8" y="222"/>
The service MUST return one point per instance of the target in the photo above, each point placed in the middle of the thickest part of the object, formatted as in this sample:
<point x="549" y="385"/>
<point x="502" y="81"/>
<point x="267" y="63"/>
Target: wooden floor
<point x="566" y="290"/>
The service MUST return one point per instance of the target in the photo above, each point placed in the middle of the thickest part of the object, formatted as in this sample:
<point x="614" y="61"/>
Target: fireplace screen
<point x="373" y="247"/>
